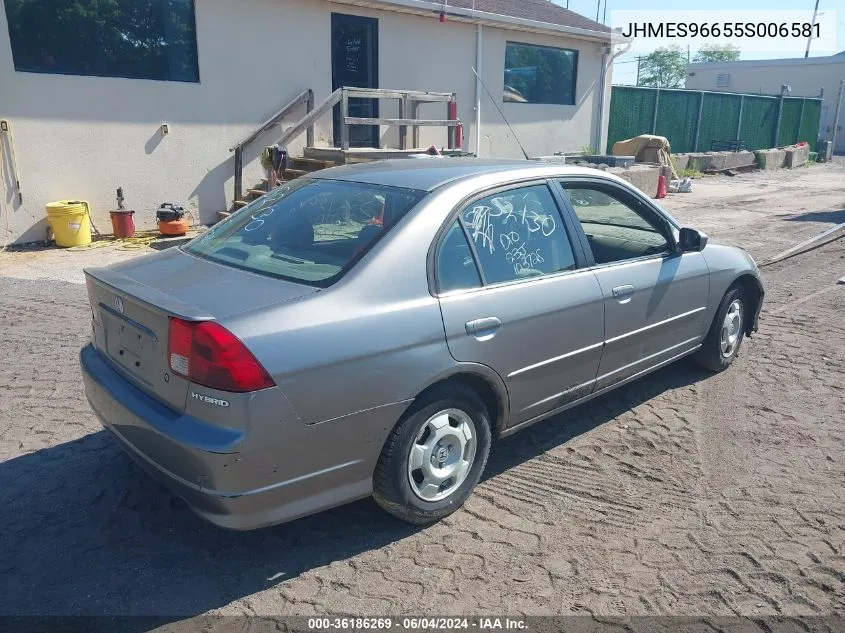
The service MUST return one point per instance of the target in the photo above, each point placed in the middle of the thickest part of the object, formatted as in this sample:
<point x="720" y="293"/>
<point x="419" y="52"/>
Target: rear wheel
<point x="722" y="343"/>
<point x="434" y="457"/>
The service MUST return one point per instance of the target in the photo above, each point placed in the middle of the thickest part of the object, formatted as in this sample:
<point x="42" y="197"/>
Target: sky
<point x="625" y="67"/>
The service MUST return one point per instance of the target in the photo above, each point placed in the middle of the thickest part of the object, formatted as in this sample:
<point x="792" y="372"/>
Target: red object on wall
<point x="459" y="129"/>
<point x="661" y="186"/>
<point x="122" y="223"/>
<point x="442" y="17"/>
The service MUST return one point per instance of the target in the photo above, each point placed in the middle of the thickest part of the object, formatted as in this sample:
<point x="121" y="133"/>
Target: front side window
<point x="616" y="228"/>
<point x="137" y="39"/>
<point x="540" y="74"/>
<point x="308" y="231"/>
<point x="518" y="233"/>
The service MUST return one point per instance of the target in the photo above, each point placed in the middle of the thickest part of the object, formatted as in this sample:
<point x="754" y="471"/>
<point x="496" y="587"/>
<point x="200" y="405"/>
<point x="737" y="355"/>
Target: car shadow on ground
<point x="86" y="532"/>
<point x="834" y="217"/>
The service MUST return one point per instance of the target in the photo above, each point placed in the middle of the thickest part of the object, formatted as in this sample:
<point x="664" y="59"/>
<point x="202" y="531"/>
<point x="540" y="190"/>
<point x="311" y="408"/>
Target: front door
<point x="532" y="314"/>
<point x="655" y="297"/>
<point x="355" y="65"/>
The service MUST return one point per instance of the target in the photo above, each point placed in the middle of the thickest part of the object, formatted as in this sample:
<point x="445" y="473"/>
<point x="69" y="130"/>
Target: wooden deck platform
<point x="366" y="154"/>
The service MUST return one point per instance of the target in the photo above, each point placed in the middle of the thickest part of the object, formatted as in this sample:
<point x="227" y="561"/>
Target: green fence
<point x="693" y="119"/>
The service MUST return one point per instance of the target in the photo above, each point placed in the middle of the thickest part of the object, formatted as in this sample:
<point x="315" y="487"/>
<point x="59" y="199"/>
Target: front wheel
<point x="722" y="343"/>
<point x="434" y="457"/>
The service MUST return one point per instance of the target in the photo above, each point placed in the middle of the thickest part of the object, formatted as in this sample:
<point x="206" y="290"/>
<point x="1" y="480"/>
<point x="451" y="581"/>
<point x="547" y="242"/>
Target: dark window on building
<point x="540" y="74"/>
<point x="138" y="39"/>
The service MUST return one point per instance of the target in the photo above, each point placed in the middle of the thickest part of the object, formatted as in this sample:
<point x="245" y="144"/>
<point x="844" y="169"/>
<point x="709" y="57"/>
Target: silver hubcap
<point x="442" y="455"/>
<point x="731" y="329"/>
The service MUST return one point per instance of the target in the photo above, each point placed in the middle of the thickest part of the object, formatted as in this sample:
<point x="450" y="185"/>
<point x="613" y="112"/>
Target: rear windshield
<point x="309" y="231"/>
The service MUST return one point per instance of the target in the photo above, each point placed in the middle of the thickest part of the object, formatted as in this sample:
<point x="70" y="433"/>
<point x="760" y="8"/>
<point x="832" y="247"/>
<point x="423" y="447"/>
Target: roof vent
<point x="723" y="80"/>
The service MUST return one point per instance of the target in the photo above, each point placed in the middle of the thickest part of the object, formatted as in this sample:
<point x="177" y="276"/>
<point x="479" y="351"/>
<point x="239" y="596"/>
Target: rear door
<point x="514" y="297"/>
<point x="655" y="297"/>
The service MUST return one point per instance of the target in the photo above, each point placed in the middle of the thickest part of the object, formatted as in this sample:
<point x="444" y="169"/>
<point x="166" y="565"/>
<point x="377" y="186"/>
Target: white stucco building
<point x="85" y="103"/>
<point x="806" y="77"/>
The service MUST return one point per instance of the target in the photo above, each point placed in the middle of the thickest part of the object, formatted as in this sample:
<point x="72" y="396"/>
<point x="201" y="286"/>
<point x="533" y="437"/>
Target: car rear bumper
<point x="192" y="458"/>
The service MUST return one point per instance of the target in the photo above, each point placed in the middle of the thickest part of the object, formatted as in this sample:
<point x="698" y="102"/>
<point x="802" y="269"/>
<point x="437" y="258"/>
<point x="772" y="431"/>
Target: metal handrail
<point x="305" y="97"/>
<point x="409" y="100"/>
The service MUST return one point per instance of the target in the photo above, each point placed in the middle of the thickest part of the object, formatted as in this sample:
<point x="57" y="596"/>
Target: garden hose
<point x="142" y="239"/>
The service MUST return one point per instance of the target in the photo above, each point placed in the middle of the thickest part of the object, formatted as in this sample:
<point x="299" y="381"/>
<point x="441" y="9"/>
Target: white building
<point x="806" y="77"/>
<point x="85" y="98"/>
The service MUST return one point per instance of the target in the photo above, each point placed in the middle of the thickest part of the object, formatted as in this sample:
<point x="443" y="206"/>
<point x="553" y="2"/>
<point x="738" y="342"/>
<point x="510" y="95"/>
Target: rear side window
<point x="309" y="231"/>
<point x="518" y="233"/>
<point x="456" y="268"/>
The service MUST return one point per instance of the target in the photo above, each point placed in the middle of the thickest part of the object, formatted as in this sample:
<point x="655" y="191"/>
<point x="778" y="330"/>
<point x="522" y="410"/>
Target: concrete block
<point x="558" y="160"/>
<point x="680" y="162"/>
<point x="610" y="160"/>
<point x="770" y="158"/>
<point x="697" y="161"/>
<point x="643" y="177"/>
<point x="797" y="156"/>
<point x="714" y="161"/>
<point x="736" y="160"/>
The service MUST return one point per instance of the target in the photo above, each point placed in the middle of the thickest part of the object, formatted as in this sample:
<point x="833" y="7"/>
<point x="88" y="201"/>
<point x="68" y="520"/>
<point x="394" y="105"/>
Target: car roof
<point x="430" y="174"/>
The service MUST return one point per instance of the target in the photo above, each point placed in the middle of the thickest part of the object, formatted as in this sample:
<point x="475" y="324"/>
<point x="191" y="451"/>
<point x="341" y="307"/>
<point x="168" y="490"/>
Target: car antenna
<point x="502" y="114"/>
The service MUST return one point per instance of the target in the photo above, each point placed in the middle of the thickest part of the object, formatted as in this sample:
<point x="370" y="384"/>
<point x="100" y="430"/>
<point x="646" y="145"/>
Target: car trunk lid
<point x="132" y="304"/>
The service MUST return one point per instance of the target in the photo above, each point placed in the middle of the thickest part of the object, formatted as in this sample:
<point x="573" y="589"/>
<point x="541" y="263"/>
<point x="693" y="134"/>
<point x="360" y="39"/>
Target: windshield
<point x="309" y="231"/>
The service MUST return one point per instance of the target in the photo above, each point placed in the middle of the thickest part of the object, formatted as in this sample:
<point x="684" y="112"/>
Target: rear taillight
<point x="208" y="354"/>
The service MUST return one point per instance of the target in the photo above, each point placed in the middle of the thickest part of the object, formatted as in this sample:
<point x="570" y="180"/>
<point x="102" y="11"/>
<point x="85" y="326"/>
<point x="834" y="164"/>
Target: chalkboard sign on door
<point x="355" y="64"/>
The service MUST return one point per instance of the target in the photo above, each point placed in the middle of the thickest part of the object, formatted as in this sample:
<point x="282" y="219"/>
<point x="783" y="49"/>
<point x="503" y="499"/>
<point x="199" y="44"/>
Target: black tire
<point x="710" y="355"/>
<point x="392" y="488"/>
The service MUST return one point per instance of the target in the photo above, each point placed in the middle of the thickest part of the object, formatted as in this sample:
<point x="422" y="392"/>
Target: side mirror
<point x="692" y="241"/>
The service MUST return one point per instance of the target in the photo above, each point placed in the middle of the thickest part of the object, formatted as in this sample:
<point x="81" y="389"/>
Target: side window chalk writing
<point x="518" y="233"/>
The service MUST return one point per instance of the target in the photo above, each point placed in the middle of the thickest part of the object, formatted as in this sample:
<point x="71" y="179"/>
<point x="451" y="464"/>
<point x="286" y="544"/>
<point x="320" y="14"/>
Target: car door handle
<point x="487" y="325"/>
<point x="623" y="291"/>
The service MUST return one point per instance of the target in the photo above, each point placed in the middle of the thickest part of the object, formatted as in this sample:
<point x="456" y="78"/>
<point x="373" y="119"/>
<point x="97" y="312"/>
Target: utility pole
<point x="810" y="39"/>
<point x="604" y="15"/>
<point x="598" y="9"/>
<point x="639" y="57"/>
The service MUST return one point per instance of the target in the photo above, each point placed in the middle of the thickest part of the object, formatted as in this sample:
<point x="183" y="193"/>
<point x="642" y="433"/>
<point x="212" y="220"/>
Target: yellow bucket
<point x="70" y="222"/>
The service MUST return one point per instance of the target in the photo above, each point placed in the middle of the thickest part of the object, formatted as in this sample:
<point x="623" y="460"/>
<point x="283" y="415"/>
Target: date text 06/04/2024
<point x="416" y="624"/>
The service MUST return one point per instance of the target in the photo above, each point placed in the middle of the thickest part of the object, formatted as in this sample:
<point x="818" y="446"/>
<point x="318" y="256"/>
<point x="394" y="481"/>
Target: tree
<point x="717" y="53"/>
<point x="663" y="68"/>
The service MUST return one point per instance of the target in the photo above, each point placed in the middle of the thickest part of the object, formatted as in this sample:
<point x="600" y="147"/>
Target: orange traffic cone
<point x="661" y="186"/>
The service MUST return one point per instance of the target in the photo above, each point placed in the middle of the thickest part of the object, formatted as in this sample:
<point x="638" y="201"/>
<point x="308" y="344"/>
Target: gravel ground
<point x="680" y="494"/>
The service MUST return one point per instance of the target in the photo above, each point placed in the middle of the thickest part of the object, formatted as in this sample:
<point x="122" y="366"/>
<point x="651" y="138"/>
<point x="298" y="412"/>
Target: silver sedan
<point x="370" y="330"/>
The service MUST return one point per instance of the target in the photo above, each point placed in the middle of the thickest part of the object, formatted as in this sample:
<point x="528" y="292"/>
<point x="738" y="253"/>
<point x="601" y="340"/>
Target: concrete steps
<point x="298" y="167"/>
